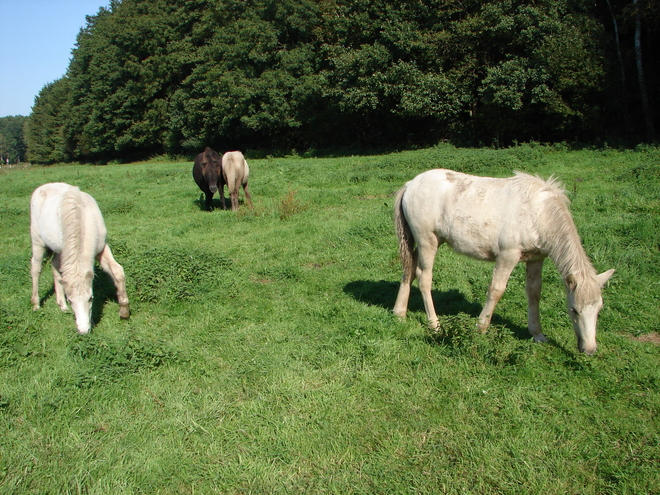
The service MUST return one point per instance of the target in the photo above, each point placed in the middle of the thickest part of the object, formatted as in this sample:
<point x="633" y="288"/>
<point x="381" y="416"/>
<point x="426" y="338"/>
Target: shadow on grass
<point x="216" y="203"/>
<point x="449" y="303"/>
<point x="104" y="290"/>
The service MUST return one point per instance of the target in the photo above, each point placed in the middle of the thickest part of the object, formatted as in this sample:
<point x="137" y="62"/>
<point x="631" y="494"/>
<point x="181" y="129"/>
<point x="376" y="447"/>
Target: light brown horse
<point x="68" y="222"/>
<point x="235" y="172"/>
<point x="521" y="218"/>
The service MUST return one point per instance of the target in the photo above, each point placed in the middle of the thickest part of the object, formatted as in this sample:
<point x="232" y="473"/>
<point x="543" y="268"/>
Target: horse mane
<point x="559" y="236"/>
<point x="72" y="268"/>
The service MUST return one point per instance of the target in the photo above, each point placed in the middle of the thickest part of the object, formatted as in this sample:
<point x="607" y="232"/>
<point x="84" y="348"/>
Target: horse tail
<point x="404" y="234"/>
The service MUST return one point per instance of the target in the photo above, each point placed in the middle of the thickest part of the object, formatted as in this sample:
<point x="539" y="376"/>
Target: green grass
<point x="262" y="354"/>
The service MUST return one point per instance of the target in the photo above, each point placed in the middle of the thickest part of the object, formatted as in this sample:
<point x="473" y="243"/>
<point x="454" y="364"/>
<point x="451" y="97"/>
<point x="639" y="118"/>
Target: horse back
<point x="59" y="210"/>
<point x="235" y="169"/>
<point x="476" y="216"/>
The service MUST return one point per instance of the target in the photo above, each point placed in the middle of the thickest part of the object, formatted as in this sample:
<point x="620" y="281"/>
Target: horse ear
<point x="571" y="282"/>
<point x="604" y="277"/>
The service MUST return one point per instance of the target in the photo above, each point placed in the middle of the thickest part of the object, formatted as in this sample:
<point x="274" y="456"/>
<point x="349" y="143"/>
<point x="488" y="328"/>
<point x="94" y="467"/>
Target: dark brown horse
<point x="207" y="172"/>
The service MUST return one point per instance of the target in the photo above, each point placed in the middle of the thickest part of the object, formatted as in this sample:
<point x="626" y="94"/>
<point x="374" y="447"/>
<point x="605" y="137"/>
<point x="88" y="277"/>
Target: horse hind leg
<point x="115" y="270"/>
<point x="248" y="198"/>
<point x="234" y="195"/>
<point x="408" y="275"/>
<point x="425" y="259"/>
<point x="504" y="265"/>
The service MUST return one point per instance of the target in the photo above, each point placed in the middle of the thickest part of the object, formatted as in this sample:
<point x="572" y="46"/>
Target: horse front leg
<point x="208" y="202"/>
<point x="504" y="265"/>
<point x="115" y="270"/>
<point x="35" y="271"/>
<point x="57" y="282"/>
<point x="221" y="190"/>
<point x="533" y="287"/>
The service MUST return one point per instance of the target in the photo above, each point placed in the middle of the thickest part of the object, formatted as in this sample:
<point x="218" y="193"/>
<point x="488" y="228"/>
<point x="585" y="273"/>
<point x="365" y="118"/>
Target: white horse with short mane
<point x="521" y="218"/>
<point x="68" y="222"/>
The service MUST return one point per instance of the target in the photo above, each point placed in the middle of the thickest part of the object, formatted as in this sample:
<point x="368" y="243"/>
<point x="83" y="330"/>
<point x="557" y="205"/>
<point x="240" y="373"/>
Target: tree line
<point x="13" y="148"/>
<point x="151" y="77"/>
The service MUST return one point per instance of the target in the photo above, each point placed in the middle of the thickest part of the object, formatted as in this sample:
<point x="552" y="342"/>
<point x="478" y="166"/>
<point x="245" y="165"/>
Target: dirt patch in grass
<point x="652" y="337"/>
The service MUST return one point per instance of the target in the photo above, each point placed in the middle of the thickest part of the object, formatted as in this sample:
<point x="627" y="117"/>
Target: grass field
<point x="262" y="355"/>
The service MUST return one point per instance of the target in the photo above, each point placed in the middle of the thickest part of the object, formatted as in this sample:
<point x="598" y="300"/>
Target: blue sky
<point x="36" y="40"/>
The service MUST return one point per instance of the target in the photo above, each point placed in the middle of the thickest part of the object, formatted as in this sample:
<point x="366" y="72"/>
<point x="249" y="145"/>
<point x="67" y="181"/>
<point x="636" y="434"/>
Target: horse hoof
<point x="540" y="338"/>
<point x="124" y="313"/>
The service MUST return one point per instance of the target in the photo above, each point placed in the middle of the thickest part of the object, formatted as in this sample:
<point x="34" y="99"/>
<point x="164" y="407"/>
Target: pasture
<point x="262" y="355"/>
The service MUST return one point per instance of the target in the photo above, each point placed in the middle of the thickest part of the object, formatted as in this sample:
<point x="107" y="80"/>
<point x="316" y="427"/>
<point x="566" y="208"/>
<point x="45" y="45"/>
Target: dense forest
<point x="150" y="77"/>
<point x="12" y="140"/>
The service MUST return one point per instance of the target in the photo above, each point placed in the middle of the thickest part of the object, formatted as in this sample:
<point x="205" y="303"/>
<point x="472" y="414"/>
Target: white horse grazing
<point x="235" y="173"/>
<point x="521" y="218"/>
<point x="68" y="222"/>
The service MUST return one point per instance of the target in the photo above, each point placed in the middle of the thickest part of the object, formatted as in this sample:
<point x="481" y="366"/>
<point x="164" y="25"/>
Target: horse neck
<point x="565" y="248"/>
<point x="73" y="263"/>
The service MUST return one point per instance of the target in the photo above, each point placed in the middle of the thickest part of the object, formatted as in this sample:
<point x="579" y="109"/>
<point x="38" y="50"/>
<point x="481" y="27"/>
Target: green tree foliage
<point x="45" y="129"/>
<point x="12" y="142"/>
<point x="159" y="76"/>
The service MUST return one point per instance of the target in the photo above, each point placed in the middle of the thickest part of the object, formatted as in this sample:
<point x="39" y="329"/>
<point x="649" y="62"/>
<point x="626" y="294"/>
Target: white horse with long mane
<point x="521" y="218"/>
<point x="68" y="222"/>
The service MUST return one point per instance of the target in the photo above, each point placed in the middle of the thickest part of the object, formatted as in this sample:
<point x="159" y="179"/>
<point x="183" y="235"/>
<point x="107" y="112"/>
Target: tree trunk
<point x="646" y="106"/>
<point x="624" y="93"/>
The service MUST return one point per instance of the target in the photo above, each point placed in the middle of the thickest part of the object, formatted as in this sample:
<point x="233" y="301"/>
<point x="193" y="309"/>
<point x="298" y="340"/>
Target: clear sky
<point x="36" y="40"/>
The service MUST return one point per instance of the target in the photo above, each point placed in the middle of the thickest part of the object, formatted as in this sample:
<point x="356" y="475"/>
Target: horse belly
<point x="472" y="242"/>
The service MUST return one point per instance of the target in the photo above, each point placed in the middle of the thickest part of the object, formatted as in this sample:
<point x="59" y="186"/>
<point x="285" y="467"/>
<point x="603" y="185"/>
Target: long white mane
<point x="559" y="236"/>
<point x="74" y="267"/>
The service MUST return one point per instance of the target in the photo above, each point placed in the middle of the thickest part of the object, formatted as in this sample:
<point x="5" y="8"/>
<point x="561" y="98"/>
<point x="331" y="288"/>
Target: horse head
<point x="79" y="294"/>
<point x="584" y="302"/>
<point x="211" y="169"/>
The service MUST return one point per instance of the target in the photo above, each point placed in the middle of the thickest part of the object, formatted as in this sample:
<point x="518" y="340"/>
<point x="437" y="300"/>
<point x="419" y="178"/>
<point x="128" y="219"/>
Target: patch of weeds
<point x="12" y="212"/>
<point x="281" y="272"/>
<point x="120" y="207"/>
<point x="167" y="275"/>
<point x="11" y="348"/>
<point x="15" y="268"/>
<point x="358" y="178"/>
<point x="104" y="360"/>
<point x="119" y="247"/>
<point x="391" y="178"/>
<point x="459" y="335"/>
<point x="644" y="177"/>
<point x="290" y="205"/>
